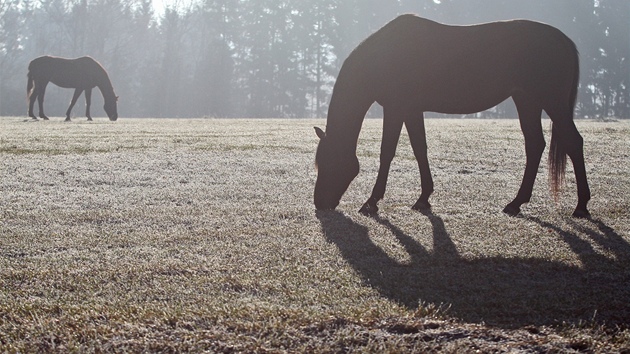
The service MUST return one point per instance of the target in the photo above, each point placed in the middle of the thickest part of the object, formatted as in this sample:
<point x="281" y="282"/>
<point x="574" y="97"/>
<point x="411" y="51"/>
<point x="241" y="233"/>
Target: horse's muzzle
<point x="321" y="205"/>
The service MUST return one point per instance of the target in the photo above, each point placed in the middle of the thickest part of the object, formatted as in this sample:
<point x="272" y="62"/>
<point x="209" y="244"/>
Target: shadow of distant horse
<point x="507" y="292"/>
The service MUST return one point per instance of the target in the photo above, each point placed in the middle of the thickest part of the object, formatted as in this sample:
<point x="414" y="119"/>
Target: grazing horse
<point x="82" y="74"/>
<point x="413" y="65"/>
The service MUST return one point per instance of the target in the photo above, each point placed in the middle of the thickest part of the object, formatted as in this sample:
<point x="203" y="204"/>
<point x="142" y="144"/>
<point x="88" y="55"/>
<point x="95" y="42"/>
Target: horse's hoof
<point x="89" y="119"/>
<point x="511" y="210"/>
<point x="581" y="214"/>
<point x="421" y="206"/>
<point x="44" y="118"/>
<point x="368" y="209"/>
<point x="67" y="120"/>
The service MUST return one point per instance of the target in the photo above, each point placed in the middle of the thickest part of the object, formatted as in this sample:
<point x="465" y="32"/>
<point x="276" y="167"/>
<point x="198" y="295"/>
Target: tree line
<point x="272" y="58"/>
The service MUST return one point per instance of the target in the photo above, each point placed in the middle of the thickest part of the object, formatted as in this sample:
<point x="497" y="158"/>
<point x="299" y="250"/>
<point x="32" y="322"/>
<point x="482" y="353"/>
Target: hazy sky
<point x="160" y="5"/>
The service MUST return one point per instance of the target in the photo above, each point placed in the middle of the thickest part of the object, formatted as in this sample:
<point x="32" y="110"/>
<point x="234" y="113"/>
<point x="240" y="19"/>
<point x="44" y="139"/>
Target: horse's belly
<point x="449" y="98"/>
<point x="446" y="88"/>
<point x="63" y="82"/>
<point x="472" y="102"/>
<point x="74" y="80"/>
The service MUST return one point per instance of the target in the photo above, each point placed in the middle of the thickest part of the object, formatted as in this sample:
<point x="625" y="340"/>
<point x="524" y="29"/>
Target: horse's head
<point x="111" y="108"/>
<point x="335" y="170"/>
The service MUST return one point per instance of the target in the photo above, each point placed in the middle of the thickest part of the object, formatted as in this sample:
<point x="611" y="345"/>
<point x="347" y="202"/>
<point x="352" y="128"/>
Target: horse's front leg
<point x="88" y="103"/>
<point x="392" y="124"/>
<point x="75" y="97"/>
<point x="418" y="139"/>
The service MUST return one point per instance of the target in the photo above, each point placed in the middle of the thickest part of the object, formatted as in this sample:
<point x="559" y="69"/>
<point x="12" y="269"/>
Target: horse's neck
<point x="106" y="88"/>
<point x="346" y="113"/>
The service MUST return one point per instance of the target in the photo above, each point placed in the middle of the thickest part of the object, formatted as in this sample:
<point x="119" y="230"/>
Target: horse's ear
<point x="117" y="98"/>
<point x="320" y="133"/>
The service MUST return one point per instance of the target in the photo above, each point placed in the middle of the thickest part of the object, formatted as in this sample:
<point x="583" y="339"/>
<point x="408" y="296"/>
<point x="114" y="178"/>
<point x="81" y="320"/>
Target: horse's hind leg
<point x="75" y="97"/>
<point x="570" y="138"/>
<point x="418" y="139"/>
<point x="529" y="117"/>
<point x="40" y="91"/>
<point x="392" y="124"/>
<point x="31" y="103"/>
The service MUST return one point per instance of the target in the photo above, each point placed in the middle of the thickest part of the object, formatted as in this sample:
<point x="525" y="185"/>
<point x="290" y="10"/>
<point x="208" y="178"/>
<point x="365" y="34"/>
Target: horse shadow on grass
<point x="505" y="292"/>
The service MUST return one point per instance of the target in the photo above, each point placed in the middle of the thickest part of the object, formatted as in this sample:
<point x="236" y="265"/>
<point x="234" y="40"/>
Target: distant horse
<point x="413" y="65"/>
<point x="82" y="74"/>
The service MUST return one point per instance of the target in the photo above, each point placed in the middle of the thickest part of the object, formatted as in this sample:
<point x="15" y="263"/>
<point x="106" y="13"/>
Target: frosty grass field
<point x="201" y="234"/>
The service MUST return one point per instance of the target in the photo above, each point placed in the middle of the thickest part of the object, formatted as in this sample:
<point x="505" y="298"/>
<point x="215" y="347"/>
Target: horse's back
<point x="47" y="64"/>
<point x="81" y="72"/>
<point x="422" y="39"/>
<point x="441" y="64"/>
<point x="39" y="62"/>
<point x="60" y="63"/>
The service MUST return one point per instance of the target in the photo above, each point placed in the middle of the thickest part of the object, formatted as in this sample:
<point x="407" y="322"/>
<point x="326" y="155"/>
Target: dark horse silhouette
<point x="413" y="65"/>
<point x="82" y="74"/>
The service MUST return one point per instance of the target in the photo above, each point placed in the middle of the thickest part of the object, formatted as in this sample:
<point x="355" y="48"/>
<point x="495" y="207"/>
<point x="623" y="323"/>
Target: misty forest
<point x="271" y="58"/>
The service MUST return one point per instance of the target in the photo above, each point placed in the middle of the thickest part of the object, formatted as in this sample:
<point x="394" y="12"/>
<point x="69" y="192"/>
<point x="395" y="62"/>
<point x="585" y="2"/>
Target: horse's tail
<point x="29" y="85"/>
<point x="557" y="152"/>
<point x="557" y="163"/>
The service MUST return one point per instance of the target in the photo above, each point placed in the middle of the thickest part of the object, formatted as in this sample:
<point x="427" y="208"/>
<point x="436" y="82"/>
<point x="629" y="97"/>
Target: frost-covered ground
<point x="182" y="234"/>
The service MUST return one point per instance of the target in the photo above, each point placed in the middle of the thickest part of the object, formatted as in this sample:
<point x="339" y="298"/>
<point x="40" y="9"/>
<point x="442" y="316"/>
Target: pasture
<point x="201" y="234"/>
